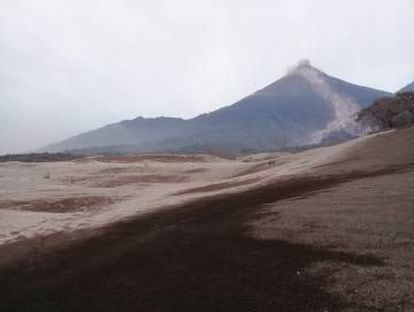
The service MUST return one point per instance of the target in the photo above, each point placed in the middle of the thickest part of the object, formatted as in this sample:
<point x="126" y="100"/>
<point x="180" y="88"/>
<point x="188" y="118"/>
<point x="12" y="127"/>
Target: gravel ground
<point x="338" y="237"/>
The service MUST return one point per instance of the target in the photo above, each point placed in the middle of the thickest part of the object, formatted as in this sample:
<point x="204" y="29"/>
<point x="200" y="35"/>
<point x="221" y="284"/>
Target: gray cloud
<point x="71" y="65"/>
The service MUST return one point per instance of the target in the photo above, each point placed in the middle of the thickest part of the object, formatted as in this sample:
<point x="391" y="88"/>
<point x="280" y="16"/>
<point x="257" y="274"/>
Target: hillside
<point x="329" y="229"/>
<point x="389" y="112"/>
<point x="408" y="88"/>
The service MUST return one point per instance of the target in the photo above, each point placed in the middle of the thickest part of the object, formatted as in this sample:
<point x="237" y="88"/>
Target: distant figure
<point x="272" y="163"/>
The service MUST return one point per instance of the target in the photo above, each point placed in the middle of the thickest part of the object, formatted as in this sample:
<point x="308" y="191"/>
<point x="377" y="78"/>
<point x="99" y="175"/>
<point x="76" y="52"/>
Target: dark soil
<point x="196" y="257"/>
<point x="218" y="186"/>
<point x="40" y="157"/>
<point x="71" y="204"/>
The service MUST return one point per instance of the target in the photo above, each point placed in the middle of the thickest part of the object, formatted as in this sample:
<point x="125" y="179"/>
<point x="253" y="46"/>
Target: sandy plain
<point x="328" y="229"/>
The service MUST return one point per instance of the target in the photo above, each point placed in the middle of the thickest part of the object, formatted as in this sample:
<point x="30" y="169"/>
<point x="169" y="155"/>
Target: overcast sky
<point x="68" y="66"/>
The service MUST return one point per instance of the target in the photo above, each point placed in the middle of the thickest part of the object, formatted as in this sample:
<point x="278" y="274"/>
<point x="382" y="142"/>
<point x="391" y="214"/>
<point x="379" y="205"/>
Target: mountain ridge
<point x="303" y="107"/>
<point x="407" y="88"/>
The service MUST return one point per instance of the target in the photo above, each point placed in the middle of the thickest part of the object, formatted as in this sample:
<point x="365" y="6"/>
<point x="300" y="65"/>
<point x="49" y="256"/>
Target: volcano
<point x="305" y="107"/>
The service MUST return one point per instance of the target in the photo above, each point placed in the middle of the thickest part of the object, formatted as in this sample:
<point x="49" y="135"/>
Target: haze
<point x="71" y="66"/>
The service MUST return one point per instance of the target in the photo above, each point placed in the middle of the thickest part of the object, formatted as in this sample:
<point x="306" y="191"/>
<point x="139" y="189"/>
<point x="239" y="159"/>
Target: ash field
<point x="327" y="229"/>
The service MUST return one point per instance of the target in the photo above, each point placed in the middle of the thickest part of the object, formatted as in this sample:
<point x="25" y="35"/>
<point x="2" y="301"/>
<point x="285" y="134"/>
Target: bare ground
<point x="337" y="238"/>
<point x="58" y="205"/>
<point x="133" y="179"/>
<point x="161" y="158"/>
<point x="218" y="186"/>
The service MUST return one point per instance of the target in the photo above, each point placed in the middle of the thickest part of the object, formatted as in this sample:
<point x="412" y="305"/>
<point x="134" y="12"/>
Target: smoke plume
<point x="345" y="109"/>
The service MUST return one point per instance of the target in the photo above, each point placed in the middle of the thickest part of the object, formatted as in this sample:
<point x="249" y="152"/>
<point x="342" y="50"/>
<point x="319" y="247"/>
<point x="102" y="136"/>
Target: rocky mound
<point x="389" y="112"/>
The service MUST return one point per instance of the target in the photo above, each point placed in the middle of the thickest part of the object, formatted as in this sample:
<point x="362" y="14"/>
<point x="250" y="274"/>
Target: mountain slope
<point x="389" y="112"/>
<point x="297" y="108"/>
<point x="408" y="88"/>
<point x="304" y="107"/>
<point x="127" y="132"/>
